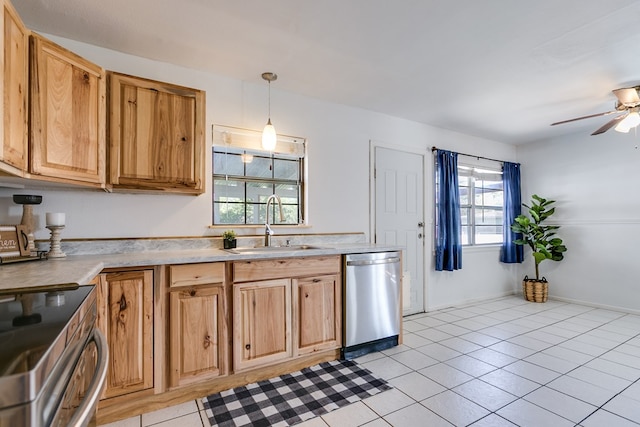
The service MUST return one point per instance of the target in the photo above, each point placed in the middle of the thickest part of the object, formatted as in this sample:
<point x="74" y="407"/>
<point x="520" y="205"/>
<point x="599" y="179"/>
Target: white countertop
<point x="80" y="269"/>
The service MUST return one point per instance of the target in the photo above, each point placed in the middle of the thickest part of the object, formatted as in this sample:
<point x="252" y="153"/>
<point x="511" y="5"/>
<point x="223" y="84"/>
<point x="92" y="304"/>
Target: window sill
<point x="482" y="248"/>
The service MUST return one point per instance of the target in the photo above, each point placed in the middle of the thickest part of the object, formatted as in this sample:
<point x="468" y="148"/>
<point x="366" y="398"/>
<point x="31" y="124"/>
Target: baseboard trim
<point x="469" y="302"/>
<point x="594" y="305"/>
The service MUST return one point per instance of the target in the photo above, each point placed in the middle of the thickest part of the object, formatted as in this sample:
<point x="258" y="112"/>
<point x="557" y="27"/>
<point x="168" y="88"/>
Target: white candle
<point x="55" y="218"/>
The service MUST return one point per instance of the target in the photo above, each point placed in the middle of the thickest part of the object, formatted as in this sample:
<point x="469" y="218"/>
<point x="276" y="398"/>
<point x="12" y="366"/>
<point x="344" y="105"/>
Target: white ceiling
<point x="497" y="69"/>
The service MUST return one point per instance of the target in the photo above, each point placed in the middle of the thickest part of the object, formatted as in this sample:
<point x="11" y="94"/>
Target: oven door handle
<point x="84" y="413"/>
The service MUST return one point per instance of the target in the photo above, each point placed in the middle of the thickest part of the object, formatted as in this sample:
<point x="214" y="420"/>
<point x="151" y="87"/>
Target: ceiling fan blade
<point x="627" y="96"/>
<point x="583" y="117"/>
<point x="610" y="124"/>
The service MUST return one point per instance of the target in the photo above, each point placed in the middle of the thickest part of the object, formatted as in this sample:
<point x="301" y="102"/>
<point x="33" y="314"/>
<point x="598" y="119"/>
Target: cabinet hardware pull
<point x="316" y="280"/>
<point x="247" y="347"/>
<point x="207" y="341"/>
<point x="123" y="303"/>
<point x="192" y="292"/>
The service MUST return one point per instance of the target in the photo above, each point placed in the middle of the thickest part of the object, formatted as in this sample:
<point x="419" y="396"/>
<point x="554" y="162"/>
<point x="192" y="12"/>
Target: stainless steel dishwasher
<point x="371" y="302"/>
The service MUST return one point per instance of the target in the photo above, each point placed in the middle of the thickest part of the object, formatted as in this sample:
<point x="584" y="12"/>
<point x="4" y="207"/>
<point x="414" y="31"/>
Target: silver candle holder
<point x="54" y="250"/>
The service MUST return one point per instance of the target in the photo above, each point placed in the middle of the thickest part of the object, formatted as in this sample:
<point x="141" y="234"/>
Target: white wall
<point x="338" y="173"/>
<point x="594" y="180"/>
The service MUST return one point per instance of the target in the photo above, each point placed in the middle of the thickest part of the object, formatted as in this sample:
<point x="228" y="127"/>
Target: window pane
<point x="488" y="217"/>
<point x="228" y="213"/>
<point x="260" y="167"/>
<point x="290" y="196"/>
<point x="488" y="234"/>
<point x="228" y="164"/>
<point x="228" y="190"/>
<point x="286" y="169"/>
<point x="489" y="193"/>
<point x="464" y="195"/>
<point x="464" y="237"/>
<point x="258" y="192"/>
<point x="465" y="214"/>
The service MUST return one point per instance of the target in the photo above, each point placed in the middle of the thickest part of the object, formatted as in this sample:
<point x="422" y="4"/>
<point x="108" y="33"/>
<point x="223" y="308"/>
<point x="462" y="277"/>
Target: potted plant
<point x="229" y="239"/>
<point x="543" y="242"/>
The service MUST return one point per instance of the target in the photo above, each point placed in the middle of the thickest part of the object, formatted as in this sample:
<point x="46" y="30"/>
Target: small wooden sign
<point x="13" y="241"/>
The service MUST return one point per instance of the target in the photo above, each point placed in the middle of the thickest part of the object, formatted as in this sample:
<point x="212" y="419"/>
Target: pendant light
<point x="269" y="132"/>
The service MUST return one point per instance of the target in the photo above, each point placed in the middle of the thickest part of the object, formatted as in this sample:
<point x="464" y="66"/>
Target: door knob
<point x="419" y="235"/>
<point x="421" y="224"/>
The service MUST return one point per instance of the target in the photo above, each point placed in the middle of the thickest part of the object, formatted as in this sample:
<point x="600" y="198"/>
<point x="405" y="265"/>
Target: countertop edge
<point x="79" y="270"/>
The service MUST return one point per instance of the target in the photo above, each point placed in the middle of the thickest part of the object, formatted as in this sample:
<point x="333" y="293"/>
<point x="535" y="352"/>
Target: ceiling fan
<point x="628" y="105"/>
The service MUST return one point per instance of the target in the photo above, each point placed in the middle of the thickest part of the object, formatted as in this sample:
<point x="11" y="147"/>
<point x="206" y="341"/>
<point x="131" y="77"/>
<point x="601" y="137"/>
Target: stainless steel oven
<point x="53" y="360"/>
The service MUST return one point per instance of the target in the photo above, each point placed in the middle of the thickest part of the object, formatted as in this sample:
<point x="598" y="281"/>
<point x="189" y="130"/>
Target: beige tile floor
<point x="502" y="362"/>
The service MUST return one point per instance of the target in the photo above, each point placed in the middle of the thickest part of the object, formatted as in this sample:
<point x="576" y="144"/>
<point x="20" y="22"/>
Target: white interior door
<point x="399" y="216"/>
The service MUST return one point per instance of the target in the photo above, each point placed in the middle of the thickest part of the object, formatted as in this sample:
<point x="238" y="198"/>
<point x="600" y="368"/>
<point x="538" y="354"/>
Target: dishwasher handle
<point x="374" y="261"/>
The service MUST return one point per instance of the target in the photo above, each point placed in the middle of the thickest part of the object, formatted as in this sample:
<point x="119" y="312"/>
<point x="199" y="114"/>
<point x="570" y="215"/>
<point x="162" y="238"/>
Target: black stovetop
<point x="30" y="323"/>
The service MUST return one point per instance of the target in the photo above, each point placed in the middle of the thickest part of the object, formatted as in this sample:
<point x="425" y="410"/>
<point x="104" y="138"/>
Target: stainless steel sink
<point x="270" y="249"/>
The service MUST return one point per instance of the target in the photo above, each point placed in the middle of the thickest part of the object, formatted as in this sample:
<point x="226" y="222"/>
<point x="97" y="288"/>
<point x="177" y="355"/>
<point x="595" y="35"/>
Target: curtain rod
<point x="472" y="155"/>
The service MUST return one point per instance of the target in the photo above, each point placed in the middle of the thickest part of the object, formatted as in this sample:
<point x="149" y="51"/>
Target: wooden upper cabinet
<point x="156" y="135"/>
<point x="15" y="87"/>
<point x="68" y="115"/>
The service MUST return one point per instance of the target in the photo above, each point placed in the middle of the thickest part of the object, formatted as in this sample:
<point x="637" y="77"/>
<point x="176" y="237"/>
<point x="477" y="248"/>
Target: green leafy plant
<point x="540" y="238"/>
<point x="229" y="235"/>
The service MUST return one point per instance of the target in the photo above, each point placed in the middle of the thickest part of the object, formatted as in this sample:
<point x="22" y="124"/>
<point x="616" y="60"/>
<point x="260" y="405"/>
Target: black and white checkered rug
<point x="293" y="398"/>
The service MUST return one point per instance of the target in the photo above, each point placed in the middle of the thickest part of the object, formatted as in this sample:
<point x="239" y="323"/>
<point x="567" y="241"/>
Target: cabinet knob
<point x="247" y="347"/>
<point x="192" y="292"/>
<point x="207" y="341"/>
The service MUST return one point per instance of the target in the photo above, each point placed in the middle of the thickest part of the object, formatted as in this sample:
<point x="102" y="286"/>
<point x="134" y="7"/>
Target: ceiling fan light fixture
<point x="269" y="137"/>
<point x="631" y="121"/>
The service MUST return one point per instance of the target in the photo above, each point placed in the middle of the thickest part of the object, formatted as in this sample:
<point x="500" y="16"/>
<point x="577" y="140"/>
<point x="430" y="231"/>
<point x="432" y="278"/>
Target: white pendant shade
<point x="269" y="137"/>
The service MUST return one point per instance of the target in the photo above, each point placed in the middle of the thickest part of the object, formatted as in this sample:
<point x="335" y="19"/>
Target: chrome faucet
<point x="267" y="229"/>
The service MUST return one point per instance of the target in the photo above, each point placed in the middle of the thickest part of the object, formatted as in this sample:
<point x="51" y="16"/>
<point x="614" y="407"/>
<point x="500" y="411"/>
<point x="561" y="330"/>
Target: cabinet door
<point x="68" y="118"/>
<point x="317" y="310"/>
<point x="197" y="339"/>
<point x="14" y="146"/>
<point x="262" y="323"/>
<point x="156" y="135"/>
<point x="125" y="316"/>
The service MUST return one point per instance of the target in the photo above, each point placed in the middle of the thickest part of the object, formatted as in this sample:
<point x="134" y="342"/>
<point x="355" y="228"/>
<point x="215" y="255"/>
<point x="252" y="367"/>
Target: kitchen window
<point x="244" y="176"/>
<point x="481" y="205"/>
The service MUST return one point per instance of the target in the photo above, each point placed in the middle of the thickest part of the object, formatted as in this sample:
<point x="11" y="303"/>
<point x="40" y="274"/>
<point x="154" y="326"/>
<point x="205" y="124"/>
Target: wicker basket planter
<point x="535" y="290"/>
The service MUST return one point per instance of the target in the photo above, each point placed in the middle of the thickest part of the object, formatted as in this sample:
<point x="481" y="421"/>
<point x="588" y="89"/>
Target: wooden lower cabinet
<point x="125" y="317"/>
<point x="261" y="323"/>
<point x="196" y="330"/>
<point x="185" y="331"/>
<point x="317" y="311"/>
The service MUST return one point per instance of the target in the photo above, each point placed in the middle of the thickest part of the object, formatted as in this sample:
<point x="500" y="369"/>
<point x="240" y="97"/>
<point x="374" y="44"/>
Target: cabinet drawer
<point x="244" y="271"/>
<point x="196" y="274"/>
